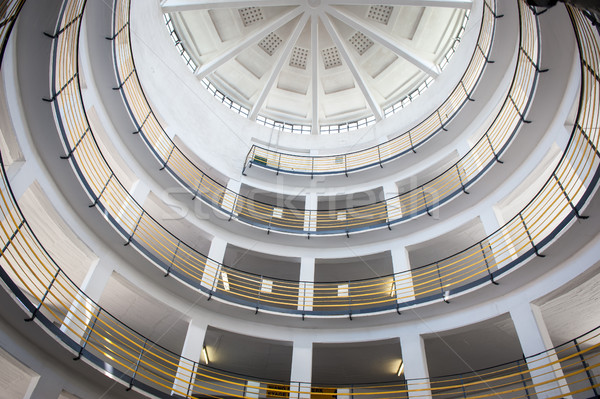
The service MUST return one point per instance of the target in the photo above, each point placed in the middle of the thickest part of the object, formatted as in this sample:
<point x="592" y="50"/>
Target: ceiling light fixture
<point x="205" y="353"/>
<point x="401" y="368"/>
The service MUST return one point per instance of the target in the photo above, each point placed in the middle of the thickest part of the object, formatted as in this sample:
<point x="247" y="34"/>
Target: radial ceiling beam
<point x="283" y="57"/>
<point x="314" y="56"/>
<point x="421" y="3"/>
<point x="250" y="40"/>
<point x="187" y="5"/>
<point x="341" y="45"/>
<point x="385" y="40"/>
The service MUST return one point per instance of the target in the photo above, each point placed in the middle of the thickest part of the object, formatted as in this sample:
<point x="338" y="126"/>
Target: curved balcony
<point x="93" y="335"/>
<point x="58" y="307"/>
<point x="404" y="143"/>
<point x="558" y="203"/>
<point x="408" y="205"/>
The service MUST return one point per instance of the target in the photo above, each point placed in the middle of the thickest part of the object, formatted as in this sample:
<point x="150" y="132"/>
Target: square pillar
<point x="403" y="282"/>
<point x="415" y="366"/>
<point x="190" y="358"/>
<point x="301" y="375"/>
<point x="502" y="250"/>
<point x="392" y="200"/>
<point x="310" y="212"/>
<point x="306" y="289"/>
<point x="212" y="268"/>
<point x="230" y="196"/>
<point x="83" y="308"/>
<point x="546" y="373"/>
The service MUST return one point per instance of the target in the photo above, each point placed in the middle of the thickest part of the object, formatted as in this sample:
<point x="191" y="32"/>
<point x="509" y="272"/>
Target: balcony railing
<point x="381" y="214"/>
<point x="52" y="300"/>
<point x="405" y="143"/>
<point x="548" y="213"/>
<point x="92" y="334"/>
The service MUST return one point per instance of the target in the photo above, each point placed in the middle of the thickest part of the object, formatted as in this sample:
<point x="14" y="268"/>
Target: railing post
<point x="34" y="313"/>
<point x="346" y="164"/>
<point x="54" y="95"/>
<point x="191" y="382"/>
<point x="349" y="302"/>
<point x="120" y="86"/>
<point x="173" y="259"/>
<point x="444" y="297"/>
<point x="137" y="365"/>
<point x="492" y="147"/>
<point x="523" y="378"/>
<point x="487" y="265"/>
<point x="466" y="92"/>
<point x="568" y="198"/>
<point x="278" y="164"/>
<point x="441" y="122"/>
<point x="12" y="237"/>
<point x="530" y="238"/>
<point x="143" y="123"/>
<point x="586" y="368"/>
<point x="260" y="283"/>
<point x="461" y="180"/>
<point x="135" y="228"/>
<point x="412" y="146"/>
<point x="425" y="201"/>
<point x="87" y="335"/>
<point x="168" y="158"/>
<point x="97" y="200"/>
<point x="518" y="110"/>
<point x="70" y="153"/>
<point x="198" y="187"/>
<point x="57" y="33"/>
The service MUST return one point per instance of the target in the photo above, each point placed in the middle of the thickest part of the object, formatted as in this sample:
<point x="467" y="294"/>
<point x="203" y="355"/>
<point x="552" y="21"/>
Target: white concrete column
<point x="301" y="374"/>
<point x="191" y="356"/>
<point x="22" y="175"/>
<point x="463" y="147"/>
<point x="390" y="195"/>
<point x="310" y="212"/>
<point x="216" y="253"/>
<point x="306" y="289"/>
<point x="229" y="198"/>
<point x="499" y="244"/>
<point x="83" y="309"/>
<point x="252" y="390"/>
<point x="544" y="368"/>
<point x="403" y="282"/>
<point x="415" y="366"/>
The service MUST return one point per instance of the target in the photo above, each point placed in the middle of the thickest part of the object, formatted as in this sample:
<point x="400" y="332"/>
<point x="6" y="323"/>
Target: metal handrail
<point x="92" y="334"/>
<point x="404" y="143"/>
<point x="542" y="220"/>
<point x="418" y="201"/>
<point x="55" y="302"/>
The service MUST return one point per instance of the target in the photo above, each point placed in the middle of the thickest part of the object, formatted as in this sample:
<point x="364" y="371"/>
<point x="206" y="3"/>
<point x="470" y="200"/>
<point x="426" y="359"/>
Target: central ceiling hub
<point x="314" y="3"/>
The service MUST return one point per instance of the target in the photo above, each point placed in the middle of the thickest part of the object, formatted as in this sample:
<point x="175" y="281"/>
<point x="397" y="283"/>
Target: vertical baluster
<point x="522" y="377"/>
<point x="530" y="238"/>
<point x="137" y="365"/>
<point x="586" y="368"/>
<point x="88" y="334"/>
<point x="34" y="313"/>
<point x="173" y="259"/>
<point x="135" y="228"/>
<point x="189" y="394"/>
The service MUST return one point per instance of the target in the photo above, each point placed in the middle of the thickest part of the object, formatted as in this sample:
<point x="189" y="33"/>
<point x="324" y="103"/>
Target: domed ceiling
<point x="318" y="63"/>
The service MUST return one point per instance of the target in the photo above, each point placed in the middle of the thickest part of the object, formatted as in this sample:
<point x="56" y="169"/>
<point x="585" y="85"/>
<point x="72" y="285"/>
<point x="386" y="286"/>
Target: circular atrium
<point x="299" y="199"/>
